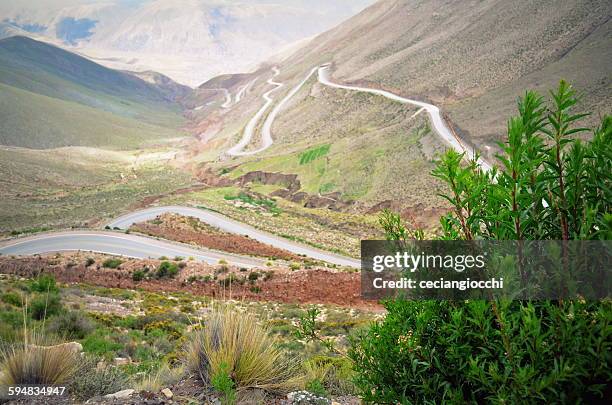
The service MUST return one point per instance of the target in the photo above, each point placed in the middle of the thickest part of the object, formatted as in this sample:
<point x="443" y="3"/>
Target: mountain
<point x="472" y="58"/>
<point x="189" y="41"/>
<point x="9" y="30"/>
<point x="51" y="97"/>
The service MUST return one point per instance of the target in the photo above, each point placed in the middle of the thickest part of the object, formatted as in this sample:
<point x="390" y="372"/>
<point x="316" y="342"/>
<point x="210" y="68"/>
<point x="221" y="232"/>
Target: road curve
<point x="434" y="114"/>
<point x="114" y="243"/>
<point x="238" y="149"/>
<point x="232" y="226"/>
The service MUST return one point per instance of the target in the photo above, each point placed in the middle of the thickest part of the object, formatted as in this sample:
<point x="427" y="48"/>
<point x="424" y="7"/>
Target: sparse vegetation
<point x="314" y="153"/>
<point x="112" y="263"/>
<point x="233" y="343"/>
<point x="167" y="269"/>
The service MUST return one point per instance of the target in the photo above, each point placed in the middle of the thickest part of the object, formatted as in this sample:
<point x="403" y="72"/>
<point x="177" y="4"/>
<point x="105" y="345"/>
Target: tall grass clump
<point x="233" y="344"/>
<point x="29" y="363"/>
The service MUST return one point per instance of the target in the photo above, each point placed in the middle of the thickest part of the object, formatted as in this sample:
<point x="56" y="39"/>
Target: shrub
<point x="44" y="284"/>
<point x="167" y="269"/>
<point x="24" y="364"/>
<point x="549" y="186"/>
<point x="222" y="382"/>
<point x="236" y="340"/>
<point x="546" y="351"/>
<point x="11" y="298"/>
<point x="72" y="324"/>
<point x="90" y="261"/>
<point x="94" y="380"/>
<point x="294" y="266"/>
<point x="112" y="263"/>
<point x="44" y="306"/>
<point x="138" y="275"/>
<point x="253" y="276"/>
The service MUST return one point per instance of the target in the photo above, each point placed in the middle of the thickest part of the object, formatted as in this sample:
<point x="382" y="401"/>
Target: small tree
<point x="549" y="186"/>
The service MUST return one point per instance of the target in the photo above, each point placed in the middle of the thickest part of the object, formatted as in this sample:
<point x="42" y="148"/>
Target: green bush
<point x="167" y="270"/>
<point x="43" y="284"/>
<point x="432" y="351"/>
<point x="222" y="382"/>
<point x="549" y="186"/>
<point x="11" y="298"/>
<point x="112" y="263"/>
<point x="138" y="275"/>
<point x="71" y="324"/>
<point x="44" y="306"/>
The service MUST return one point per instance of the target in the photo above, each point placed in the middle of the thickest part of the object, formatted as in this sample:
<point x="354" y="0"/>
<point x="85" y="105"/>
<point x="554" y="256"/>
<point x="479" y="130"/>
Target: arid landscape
<point x="168" y="167"/>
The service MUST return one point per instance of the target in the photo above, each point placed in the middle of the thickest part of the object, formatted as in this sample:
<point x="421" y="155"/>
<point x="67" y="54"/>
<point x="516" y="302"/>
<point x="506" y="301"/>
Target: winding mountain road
<point x="145" y="247"/>
<point x="238" y="149"/>
<point x="229" y="225"/>
<point x="434" y="114"/>
<point x="120" y="244"/>
<point x="323" y="76"/>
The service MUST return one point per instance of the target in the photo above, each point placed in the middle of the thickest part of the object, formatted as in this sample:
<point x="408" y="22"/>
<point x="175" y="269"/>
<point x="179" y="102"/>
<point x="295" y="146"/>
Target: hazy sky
<point x="189" y="40"/>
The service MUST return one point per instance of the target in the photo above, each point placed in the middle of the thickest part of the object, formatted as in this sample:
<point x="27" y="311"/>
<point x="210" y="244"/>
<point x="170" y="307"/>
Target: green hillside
<point x="39" y="122"/>
<point x="48" y="70"/>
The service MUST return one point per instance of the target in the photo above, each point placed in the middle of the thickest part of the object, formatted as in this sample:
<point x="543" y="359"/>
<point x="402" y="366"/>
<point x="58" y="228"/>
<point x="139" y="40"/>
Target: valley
<point x="169" y="173"/>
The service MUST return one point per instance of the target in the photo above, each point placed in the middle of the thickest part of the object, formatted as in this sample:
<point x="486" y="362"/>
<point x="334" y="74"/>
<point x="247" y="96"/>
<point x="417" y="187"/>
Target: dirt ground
<point x="276" y="284"/>
<point x="191" y="230"/>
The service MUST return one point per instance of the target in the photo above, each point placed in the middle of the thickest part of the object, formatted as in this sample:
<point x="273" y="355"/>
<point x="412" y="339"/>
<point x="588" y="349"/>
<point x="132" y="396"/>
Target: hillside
<point x="54" y="98"/>
<point x="473" y="58"/>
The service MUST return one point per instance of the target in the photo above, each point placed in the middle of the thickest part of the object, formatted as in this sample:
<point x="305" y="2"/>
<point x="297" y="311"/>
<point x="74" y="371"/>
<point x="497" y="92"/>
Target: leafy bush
<point x="99" y="344"/>
<point x="222" y="382"/>
<point x="44" y="284"/>
<point x="457" y="352"/>
<point x="112" y="263"/>
<point x="11" y="298"/>
<point x="550" y="186"/>
<point x="138" y="275"/>
<point x="45" y="305"/>
<point x="71" y="324"/>
<point x="94" y="380"/>
<point x="235" y="340"/>
<point x="167" y="269"/>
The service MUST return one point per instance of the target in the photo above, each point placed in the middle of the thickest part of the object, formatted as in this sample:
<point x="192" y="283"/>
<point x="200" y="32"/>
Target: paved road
<point x="249" y="130"/>
<point x="433" y="111"/>
<point x="119" y="244"/>
<point x="232" y="226"/>
<point x="323" y="76"/>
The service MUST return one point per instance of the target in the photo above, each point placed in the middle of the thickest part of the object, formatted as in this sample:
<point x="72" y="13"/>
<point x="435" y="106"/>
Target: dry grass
<point x="162" y="378"/>
<point x="236" y="339"/>
<point x="28" y="364"/>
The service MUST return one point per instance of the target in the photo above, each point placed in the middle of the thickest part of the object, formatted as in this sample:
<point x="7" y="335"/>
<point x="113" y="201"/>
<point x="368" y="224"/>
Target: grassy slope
<point x="66" y="187"/>
<point x="37" y="121"/>
<point x="46" y="69"/>
<point x="373" y="142"/>
<point x="51" y="97"/>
